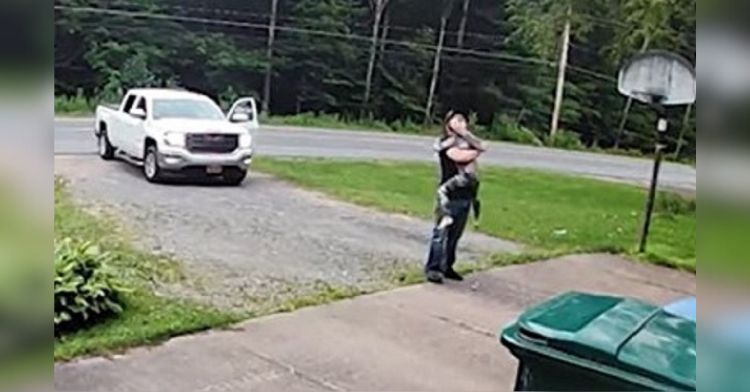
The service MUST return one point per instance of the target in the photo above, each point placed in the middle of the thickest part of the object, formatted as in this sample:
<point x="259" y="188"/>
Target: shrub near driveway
<point x="89" y="279"/>
<point x="86" y="289"/>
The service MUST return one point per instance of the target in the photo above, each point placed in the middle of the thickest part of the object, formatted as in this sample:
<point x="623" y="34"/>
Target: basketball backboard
<point x="658" y="77"/>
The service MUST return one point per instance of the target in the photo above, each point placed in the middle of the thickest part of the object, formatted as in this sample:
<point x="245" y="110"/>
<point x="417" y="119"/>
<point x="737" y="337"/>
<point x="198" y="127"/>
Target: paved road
<point x="421" y="338"/>
<point x="73" y="136"/>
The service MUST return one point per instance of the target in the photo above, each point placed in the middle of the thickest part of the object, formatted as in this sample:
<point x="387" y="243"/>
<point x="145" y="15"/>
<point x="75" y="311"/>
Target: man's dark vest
<point x="448" y="169"/>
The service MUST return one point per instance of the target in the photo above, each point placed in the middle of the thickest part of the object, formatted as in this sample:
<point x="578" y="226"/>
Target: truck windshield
<point x="186" y="108"/>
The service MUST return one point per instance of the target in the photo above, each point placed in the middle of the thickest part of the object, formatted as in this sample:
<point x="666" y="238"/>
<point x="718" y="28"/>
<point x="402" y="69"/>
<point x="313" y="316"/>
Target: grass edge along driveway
<point x="548" y="211"/>
<point x="147" y="318"/>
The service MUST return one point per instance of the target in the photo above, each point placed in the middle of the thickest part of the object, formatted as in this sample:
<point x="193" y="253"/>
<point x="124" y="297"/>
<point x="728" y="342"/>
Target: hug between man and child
<point x="467" y="176"/>
<point x="457" y="150"/>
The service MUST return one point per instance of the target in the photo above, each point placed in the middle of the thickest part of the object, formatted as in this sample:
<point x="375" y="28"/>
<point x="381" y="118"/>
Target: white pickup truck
<point x="178" y="132"/>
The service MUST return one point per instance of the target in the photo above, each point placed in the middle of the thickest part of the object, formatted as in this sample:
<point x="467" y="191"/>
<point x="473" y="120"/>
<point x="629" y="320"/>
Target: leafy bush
<point x="86" y="290"/>
<point x="506" y="129"/>
<point x="77" y="104"/>
<point x="369" y="124"/>
<point x="565" y="140"/>
<point x="406" y="126"/>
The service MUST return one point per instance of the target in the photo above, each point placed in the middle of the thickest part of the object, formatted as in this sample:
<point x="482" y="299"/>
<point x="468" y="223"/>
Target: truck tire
<point x="151" y="169"/>
<point x="106" y="151"/>
<point x="235" y="177"/>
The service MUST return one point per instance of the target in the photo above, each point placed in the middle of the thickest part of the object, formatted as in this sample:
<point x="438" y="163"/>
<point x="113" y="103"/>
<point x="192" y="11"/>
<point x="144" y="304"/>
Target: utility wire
<point x="331" y="34"/>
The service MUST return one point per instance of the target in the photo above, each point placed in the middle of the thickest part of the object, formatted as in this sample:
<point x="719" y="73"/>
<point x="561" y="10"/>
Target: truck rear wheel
<point x="106" y="151"/>
<point x="151" y="169"/>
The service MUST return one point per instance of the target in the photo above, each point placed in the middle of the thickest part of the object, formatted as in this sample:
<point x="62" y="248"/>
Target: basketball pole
<point x="661" y="128"/>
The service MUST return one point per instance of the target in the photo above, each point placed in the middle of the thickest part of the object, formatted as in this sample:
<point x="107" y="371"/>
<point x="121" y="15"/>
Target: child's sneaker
<point x="445" y="222"/>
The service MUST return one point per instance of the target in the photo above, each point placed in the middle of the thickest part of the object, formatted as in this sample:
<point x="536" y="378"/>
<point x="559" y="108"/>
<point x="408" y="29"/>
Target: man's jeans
<point x="443" y="244"/>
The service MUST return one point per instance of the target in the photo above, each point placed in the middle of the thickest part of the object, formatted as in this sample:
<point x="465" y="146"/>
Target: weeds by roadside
<point x="77" y="105"/>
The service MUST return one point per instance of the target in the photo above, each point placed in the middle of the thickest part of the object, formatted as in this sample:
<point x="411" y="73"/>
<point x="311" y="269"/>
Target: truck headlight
<point x="174" y="139"/>
<point x="246" y="140"/>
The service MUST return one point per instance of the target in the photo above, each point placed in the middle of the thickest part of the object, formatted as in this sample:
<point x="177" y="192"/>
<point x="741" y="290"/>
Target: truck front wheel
<point x="235" y="177"/>
<point x="151" y="169"/>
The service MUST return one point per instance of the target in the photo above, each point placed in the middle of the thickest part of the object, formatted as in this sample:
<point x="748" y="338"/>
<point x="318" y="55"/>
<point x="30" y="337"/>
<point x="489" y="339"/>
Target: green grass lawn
<point x="147" y="318"/>
<point x="725" y="225"/>
<point x="550" y="212"/>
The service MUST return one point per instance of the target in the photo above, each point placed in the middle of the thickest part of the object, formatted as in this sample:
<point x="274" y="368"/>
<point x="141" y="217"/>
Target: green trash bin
<point x="584" y="342"/>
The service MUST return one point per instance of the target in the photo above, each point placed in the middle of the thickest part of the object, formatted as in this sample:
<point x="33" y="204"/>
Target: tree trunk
<point x="384" y="36"/>
<point x="628" y="103"/>
<point x="435" y="70"/>
<point x="561" y="74"/>
<point x="378" y="8"/>
<point x="269" y="57"/>
<point x="462" y="26"/>
<point x="623" y="122"/>
<point x="681" y="137"/>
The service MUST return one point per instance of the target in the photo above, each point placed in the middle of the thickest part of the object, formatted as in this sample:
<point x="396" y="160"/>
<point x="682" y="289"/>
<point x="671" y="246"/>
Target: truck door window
<point x="142" y="105"/>
<point x="129" y="101"/>
<point x="246" y="108"/>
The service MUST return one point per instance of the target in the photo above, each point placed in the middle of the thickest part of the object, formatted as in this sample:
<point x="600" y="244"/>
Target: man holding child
<point x="458" y="150"/>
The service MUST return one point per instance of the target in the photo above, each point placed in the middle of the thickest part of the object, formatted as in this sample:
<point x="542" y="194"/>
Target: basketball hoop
<point x="657" y="78"/>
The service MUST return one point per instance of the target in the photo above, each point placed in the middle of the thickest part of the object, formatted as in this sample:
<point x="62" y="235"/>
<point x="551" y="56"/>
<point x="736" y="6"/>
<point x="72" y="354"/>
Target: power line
<point x="330" y="34"/>
<point x="398" y="51"/>
<point x="226" y="11"/>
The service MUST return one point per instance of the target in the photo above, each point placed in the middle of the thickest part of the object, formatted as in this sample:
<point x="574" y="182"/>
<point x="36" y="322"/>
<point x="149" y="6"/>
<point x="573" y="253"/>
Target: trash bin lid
<point x="686" y="308"/>
<point x="627" y="334"/>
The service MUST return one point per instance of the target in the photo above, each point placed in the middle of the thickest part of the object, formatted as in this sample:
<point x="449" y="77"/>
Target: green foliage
<point x="320" y="58"/>
<point x="408" y="126"/>
<point x="323" y="120"/>
<point x="538" y="23"/>
<point x="136" y="73"/>
<point x="146" y="319"/>
<point x="228" y="97"/>
<point x="85" y="286"/>
<point x="507" y="129"/>
<point x="327" y="71"/>
<point x="674" y="204"/>
<point x="564" y="139"/>
<point x="73" y="105"/>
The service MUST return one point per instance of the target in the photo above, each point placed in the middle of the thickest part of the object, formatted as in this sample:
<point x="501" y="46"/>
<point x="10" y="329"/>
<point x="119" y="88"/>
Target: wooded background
<point x="395" y="61"/>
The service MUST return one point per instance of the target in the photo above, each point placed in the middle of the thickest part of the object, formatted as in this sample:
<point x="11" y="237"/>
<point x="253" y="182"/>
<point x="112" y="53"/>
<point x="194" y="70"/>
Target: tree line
<point x="529" y="68"/>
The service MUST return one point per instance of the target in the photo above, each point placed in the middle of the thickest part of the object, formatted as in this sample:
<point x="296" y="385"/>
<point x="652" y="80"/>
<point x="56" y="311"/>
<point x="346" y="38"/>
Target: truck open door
<point x="244" y="112"/>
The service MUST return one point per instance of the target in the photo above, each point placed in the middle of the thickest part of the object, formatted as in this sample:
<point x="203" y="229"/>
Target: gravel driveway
<point x="264" y="239"/>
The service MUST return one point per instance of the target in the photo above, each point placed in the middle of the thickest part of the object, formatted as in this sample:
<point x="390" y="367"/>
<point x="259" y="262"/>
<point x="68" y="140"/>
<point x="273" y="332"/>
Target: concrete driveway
<point x="420" y="338"/>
